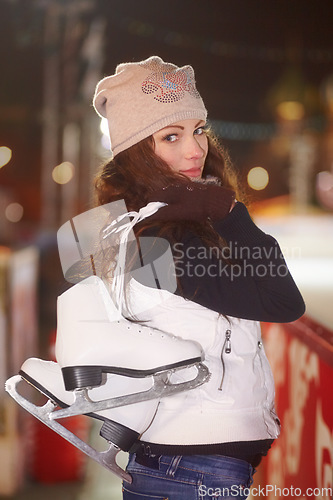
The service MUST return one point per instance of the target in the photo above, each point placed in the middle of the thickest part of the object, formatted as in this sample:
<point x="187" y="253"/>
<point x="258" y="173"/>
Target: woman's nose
<point x="194" y="149"/>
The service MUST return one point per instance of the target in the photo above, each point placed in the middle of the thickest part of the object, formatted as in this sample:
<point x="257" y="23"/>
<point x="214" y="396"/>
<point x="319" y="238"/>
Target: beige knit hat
<point x="144" y="97"/>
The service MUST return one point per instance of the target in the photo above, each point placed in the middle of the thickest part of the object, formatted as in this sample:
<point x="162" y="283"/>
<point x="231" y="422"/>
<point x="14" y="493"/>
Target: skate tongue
<point x="117" y="287"/>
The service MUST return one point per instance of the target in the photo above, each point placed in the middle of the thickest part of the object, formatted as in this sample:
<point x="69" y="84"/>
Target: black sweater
<point x="250" y="281"/>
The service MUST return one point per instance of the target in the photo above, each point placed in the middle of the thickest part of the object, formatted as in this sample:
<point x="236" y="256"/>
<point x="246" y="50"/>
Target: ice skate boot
<point x="113" y="369"/>
<point x="95" y="342"/>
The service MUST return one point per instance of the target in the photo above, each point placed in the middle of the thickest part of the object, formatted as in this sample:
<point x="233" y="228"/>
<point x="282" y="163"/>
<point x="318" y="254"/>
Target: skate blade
<point x="161" y="388"/>
<point x="44" y="414"/>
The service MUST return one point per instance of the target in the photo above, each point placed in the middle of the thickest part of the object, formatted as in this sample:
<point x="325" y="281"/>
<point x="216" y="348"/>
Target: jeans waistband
<point x="151" y="450"/>
<point x="199" y="463"/>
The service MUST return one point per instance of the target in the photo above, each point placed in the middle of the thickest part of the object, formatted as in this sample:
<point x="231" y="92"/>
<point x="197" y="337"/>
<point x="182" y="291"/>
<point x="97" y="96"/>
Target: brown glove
<point x="194" y="201"/>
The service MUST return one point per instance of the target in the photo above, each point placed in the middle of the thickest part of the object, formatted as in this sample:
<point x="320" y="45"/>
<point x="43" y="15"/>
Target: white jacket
<point x="237" y="403"/>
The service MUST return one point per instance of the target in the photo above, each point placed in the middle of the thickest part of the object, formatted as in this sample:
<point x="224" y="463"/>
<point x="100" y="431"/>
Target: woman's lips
<point x="192" y="172"/>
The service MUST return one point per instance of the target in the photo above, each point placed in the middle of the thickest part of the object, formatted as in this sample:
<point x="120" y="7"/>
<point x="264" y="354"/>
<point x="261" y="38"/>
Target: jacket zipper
<point x="260" y="346"/>
<point x="226" y="349"/>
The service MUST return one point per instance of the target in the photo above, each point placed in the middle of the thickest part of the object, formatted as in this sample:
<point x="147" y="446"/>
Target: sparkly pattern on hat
<point x="169" y="85"/>
<point x="144" y="97"/>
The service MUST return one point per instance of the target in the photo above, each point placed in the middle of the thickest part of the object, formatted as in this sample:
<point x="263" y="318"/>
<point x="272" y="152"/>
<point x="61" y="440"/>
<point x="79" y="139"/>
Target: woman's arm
<point x="257" y="286"/>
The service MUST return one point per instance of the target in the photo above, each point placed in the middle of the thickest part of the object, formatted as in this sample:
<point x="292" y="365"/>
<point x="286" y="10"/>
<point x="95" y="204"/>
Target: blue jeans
<point x="197" y="477"/>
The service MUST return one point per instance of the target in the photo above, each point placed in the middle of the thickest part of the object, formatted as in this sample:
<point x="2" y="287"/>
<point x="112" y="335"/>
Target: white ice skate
<point x="113" y="369"/>
<point x="46" y="377"/>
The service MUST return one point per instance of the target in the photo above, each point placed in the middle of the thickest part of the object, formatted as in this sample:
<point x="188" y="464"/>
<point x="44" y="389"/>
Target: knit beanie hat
<point x="144" y="97"/>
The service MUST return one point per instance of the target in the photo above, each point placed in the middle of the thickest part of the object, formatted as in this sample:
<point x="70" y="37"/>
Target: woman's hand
<point x="195" y="202"/>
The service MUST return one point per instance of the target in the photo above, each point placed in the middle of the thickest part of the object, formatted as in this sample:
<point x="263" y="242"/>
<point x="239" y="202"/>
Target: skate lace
<point x="117" y="286"/>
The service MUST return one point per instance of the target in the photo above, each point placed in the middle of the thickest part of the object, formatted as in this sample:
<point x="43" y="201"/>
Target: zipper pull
<point x="227" y="349"/>
<point x="227" y="342"/>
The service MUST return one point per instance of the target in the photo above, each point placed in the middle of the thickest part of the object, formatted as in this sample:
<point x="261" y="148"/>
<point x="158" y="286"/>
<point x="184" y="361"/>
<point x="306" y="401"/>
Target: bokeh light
<point x="63" y="173"/>
<point x="104" y="127"/>
<point x="5" y="155"/>
<point x="258" y="178"/>
<point x="105" y="139"/>
<point x="291" y="110"/>
<point x="14" y="212"/>
<point x="325" y="181"/>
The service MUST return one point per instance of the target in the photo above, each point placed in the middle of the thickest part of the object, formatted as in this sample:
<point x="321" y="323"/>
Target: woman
<point x="230" y="276"/>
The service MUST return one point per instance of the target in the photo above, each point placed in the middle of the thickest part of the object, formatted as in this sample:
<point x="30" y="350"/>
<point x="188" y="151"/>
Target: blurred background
<point x="265" y="72"/>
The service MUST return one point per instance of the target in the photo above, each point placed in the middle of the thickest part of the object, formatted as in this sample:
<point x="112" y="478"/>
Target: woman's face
<point x="183" y="146"/>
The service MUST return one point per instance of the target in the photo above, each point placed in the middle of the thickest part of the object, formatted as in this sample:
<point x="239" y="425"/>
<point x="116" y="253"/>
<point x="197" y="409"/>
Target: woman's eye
<point x="170" y="138"/>
<point x="199" y="131"/>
